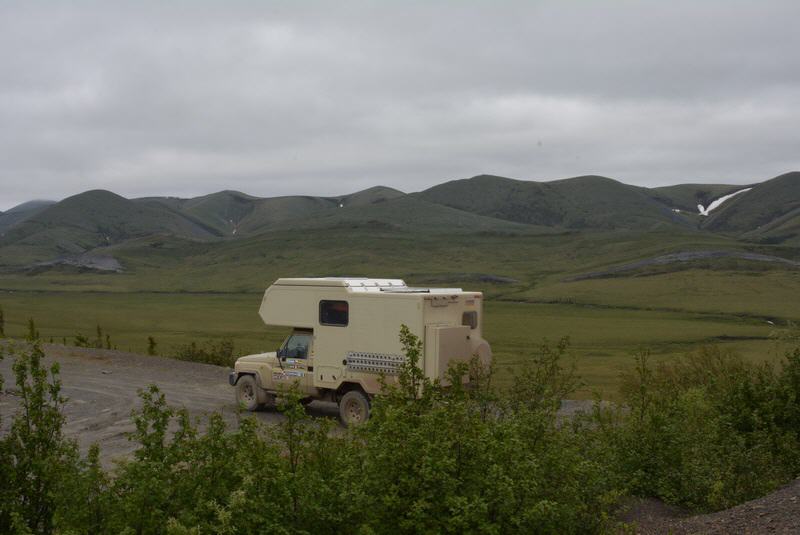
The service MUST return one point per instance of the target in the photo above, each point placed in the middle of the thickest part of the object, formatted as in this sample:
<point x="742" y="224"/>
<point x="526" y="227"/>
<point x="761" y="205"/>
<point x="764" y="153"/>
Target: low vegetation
<point x="100" y="341"/>
<point x="218" y="353"/>
<point x="705" y="431"/>
<point x="151" y="346"/>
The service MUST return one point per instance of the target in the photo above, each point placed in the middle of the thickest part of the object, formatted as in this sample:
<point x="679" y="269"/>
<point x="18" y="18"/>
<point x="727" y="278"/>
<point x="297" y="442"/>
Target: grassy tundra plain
<point x="603" y="341"/>
<point x="179" y="292"/>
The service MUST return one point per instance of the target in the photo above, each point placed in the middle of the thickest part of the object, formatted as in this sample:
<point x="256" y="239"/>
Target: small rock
<point x="105" y="372"/>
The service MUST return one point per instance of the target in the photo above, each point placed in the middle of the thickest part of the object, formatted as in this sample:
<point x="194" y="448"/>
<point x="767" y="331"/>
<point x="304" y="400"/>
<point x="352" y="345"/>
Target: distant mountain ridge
<point x="768" y="213"/>
<point x="580" y="203"/>
<point x="21" y="212"/>
<point x="769" y="209"/>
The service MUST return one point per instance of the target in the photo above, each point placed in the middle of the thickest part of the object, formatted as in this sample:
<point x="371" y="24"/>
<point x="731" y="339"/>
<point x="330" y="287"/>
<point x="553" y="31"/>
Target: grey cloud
<point x="276" y="98"/>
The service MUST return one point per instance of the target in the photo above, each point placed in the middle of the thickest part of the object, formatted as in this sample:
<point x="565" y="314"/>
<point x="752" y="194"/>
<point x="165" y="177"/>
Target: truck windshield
<point x="296" y="346"/>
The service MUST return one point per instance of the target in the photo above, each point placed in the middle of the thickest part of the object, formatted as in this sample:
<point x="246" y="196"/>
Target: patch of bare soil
<point x="102" y="389"/>
<point x="777" y="513"/>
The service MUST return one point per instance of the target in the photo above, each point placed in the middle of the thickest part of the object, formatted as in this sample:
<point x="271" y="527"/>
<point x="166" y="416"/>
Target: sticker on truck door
<point x="286" y="374"/>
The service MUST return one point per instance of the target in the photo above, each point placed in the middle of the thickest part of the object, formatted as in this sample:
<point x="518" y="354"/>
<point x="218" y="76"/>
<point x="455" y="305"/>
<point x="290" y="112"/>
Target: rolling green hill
<point x="407" y="213"/>
<point x="236" y="214"/>
<point x="43" y="231"/>
<point x="221" y="211"/>
<point x="20" y="213"/>
<point x="770" y="211"/>
<point x="587" y="202"/>
<point x="96" y="222"/>
<point x="373" y="195"/>
<point x="89" y="220"/>
<point x="686" y="197"/>
<point x="304" y="210"/>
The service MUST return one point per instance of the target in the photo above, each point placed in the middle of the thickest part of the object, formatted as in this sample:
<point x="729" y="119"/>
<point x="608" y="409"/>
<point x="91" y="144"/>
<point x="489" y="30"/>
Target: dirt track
<point x="102" y="385"/>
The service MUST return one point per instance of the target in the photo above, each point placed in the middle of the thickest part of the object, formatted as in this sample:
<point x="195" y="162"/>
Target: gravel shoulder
<point x="102" y="389"/>
<point x="778" y="513"/>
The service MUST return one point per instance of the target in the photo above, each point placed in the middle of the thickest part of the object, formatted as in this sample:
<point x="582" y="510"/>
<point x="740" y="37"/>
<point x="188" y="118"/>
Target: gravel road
<point x="101" y="387"/>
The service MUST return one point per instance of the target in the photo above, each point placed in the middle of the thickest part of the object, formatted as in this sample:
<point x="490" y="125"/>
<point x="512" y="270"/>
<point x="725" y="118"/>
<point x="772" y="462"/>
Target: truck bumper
<point x="232" y="377"/>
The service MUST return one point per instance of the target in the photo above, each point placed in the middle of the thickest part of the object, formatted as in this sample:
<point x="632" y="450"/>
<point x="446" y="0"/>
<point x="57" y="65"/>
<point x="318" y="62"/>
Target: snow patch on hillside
<point x="716" y="204"/>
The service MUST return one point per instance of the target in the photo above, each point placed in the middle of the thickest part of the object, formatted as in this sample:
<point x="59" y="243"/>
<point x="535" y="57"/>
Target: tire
<point x="354" y="408"/>
<point x="305" y="402"/>
<point x="247" y="393"/>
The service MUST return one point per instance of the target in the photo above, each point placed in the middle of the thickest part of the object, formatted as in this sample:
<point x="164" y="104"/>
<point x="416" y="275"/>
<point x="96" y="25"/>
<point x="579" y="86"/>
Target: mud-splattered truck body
<point x="345" y="334"/>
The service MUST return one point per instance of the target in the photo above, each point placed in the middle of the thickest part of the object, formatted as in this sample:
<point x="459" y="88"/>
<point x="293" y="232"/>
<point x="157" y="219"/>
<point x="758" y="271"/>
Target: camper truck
<point x="345" y="337"/>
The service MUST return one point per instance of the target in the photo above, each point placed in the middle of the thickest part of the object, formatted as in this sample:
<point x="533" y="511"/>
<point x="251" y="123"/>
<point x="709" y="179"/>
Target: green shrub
<point x="433" y="460"/>
<point x="35" y="458"/>
<point x="706" y="431"/>
<point x="81" y="340"/>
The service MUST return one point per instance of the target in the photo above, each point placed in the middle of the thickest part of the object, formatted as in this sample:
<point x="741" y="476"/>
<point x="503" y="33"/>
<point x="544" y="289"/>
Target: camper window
<point x="334" y="313"/>
<point x="470" y="319"/>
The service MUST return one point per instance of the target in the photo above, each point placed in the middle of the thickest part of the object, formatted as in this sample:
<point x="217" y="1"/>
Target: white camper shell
<point x="346" y="335"/>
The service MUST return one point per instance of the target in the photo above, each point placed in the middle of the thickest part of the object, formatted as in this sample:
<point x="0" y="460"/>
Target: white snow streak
<point x="718" y="202"/>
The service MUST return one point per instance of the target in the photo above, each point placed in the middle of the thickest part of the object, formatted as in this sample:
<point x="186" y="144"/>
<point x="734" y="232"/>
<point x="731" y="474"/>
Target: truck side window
<point x="334" y="313"/>
<point x="296" y="346"/>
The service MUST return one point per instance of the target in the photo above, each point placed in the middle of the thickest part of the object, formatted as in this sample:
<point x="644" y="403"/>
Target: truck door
<point x="295" y="362"/>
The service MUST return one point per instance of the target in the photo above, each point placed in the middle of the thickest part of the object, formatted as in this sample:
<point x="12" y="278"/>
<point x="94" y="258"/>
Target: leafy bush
<point x="81" y="340"/>
<point x="35" y="458"/>
<point x="706" y="431"/>
<point x="434" y="460"/>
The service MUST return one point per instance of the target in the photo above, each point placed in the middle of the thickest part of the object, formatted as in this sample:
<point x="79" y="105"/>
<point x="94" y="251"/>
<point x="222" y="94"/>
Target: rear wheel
<point x="247" y="393"/>
<point x="354" y="408"/>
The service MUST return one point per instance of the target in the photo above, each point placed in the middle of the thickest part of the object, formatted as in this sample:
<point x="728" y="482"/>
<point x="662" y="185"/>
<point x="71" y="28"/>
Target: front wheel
<point x="247" y="393"/>
<point x="354" y="408"/>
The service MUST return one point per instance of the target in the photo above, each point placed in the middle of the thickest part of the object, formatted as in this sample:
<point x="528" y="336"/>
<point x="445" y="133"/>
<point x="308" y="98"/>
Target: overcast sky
<point x="275" y="98"/>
